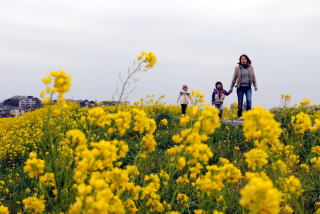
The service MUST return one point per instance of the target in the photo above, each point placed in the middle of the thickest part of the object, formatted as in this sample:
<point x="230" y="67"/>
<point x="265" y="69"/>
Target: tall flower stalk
<point x="144" y="62"/>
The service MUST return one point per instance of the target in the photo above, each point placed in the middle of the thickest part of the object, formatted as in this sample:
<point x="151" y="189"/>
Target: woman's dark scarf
<point x="245" y="66"/>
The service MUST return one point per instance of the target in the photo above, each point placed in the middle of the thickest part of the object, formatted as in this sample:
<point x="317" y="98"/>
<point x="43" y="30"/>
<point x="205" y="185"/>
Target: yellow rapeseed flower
<point x="316" y="150"/>
<point x="260" y="125"/>
<point x="149" y="58"/>
<point x="287" y="209"/>
<point x="33" y="205"/>
<point x="256" y="158"/>
<point x="305" y="102"/>
<point x="301" y="122"/>
<point x="181" y="163"/>
<point x="316" y="163"/>
<point x="46" y="100"/>
<point x="34" y="166"/>
<point x="48" y="179"/>
<point x="182" y="198"/>
<point x="164" y="122"/>
<point x="259" y="196"/>
<point x="316" y="125"/>
<point x="185" y="119"/>
<point x="4" y="210"/>
<point x="97" y="116"/>
<point x="292" y="185"/>
<point x="46" y="80"/>
<point x="305" y="167"/>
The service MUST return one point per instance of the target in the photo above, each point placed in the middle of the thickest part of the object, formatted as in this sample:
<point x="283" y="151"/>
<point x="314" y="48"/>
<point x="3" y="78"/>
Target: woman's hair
<point x="248" y="59"/>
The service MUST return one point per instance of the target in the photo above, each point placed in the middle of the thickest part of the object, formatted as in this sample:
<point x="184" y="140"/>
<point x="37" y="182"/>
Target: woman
<point x="243" y="78"/>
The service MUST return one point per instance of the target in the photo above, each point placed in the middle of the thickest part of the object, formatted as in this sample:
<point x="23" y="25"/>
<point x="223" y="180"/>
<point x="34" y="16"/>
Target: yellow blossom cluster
<point x="164" y="122"/>
<point x="34" y="166"/>
<point x="48" y="179"/>
<point x="184" y="120"/>
<point x="292" y="186"/>
<point x="192" y="150"/>
<point x="286" y="97"/>
<point x="280" y="167"/>
<point x="97" y="117"/>
<point x="256" y="158"/>
<point x="196" y="97"/>
<point x="121" y="121"/>
<point x="291" y="159"/>
<point x="260" y="196"/>
<point x="316" y="125"/>
<point x="182" y="198"/>
<point x="316" y="150"/>
<point x="260" y="125"/>
<point x="149" y="193"/>
<point x="150" y="100"/>
<point x="301" y="122"/>
<point x="316" y="163"/>
<point x="99" y="182"/>
<point x="213" y="180"/>
<point x="34" y="205"/>
<point x="61" y="84"/>
<point x="305" y="102"/>
<point x="4" y="210"/>
<point x="287" y="209"/>
<point x="142" y="123"/>
<point x="149" y="58"/>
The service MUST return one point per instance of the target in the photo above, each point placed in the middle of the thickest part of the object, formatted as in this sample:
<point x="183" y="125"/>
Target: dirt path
<point x="233" y="122"/>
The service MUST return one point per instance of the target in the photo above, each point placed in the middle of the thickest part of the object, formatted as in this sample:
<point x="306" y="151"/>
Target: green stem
<point x="135" y="70"/>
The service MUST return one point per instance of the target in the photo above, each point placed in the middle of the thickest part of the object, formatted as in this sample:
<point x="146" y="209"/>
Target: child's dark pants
<point x="184" y="108"/>
<point x="220" y="107"/>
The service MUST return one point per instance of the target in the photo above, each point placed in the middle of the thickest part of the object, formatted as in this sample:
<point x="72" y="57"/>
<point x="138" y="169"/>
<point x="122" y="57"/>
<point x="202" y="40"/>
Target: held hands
<point x="230" y="91"/>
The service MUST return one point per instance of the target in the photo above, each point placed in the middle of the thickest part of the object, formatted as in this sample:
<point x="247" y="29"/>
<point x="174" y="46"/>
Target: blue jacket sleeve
<point x="226" y="92"/>
<point x="212" y="100"/>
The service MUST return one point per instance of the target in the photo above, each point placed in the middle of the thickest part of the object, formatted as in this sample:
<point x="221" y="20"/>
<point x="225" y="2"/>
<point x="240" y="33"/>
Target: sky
<point x="196" y="43"/>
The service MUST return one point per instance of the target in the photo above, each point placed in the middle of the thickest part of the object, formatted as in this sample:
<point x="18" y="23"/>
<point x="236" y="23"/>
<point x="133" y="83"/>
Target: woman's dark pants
<point x="241" y="91"/>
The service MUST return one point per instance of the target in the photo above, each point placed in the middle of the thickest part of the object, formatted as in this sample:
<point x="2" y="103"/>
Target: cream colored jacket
<point x="236" y="80"/>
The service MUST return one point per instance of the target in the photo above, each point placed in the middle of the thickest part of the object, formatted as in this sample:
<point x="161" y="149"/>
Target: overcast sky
<point x="196" y="43"/>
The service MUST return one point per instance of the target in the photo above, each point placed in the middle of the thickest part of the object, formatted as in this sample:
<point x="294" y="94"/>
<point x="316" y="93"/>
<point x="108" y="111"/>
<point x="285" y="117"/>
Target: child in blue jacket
<point x="218" y="96"/>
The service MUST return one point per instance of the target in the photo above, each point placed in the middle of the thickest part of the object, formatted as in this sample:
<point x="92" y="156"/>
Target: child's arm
<point x="189" y="97"/>
<point x="212" y="100"/>
<point x="227" y="93"/>
<point x="179" y="97"/>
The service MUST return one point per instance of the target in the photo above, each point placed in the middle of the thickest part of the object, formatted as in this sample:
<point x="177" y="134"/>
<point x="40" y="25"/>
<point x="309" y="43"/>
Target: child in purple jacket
<point x="218" y="96"/>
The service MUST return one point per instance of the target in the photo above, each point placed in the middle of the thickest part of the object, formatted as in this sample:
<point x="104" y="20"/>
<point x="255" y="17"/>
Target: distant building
<point x="113" y="103"/>
<point x="17" y="112"/>
<point x="5" y="112"/>
<point x="17" y="105"/>
<point x="23" y="102"/>
<point x="90" y="103"/>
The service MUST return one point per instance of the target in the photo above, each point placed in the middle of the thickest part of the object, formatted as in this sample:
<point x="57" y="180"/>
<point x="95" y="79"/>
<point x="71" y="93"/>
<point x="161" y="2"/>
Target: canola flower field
<point x="145" y="158"/>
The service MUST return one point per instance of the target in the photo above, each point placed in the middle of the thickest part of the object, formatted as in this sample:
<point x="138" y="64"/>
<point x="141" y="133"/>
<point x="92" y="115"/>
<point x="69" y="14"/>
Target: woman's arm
<point x="234" y="79"/>
<point x="227" y="93"/>
<point x="254" y="80"/>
